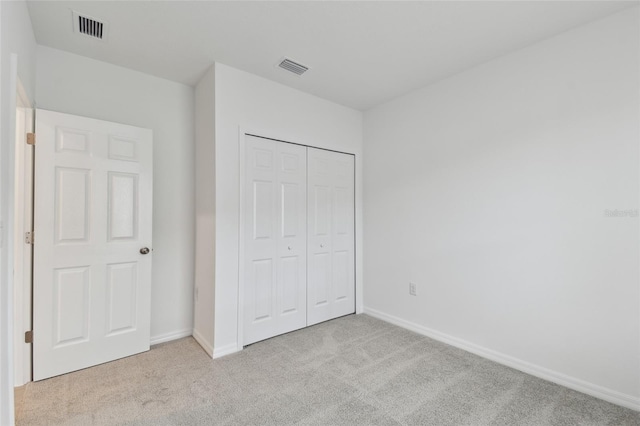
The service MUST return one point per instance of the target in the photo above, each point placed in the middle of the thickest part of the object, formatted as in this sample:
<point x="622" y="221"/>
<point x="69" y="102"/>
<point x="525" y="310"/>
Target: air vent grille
<point x="89" y="26"/>
<point x="293" y="66"/>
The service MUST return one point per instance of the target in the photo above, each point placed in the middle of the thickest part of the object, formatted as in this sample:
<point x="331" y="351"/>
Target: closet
<point x="297" y="237"/>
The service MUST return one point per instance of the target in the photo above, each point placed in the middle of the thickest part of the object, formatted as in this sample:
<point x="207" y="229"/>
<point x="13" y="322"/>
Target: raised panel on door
<point x="122" y="294"/>
<point x="263" y="289"/>
<point x="331" y="247"/>
<point x="321" y="224"/>
<point x="319" y="289"/>
<point x="291" y="194"/>
<point x="93" y="214"/>
<point x="263" y="209"/>
<point x="72" y="215"/>
<point x="273" y="270"/>
<point x="71" y="305"/>
<point x="122" y="223"/>
<point x="76" y="141"/>
<point x="123" y="148"/>
<point x="288" y="285"/>
<point x="341" y="277"/>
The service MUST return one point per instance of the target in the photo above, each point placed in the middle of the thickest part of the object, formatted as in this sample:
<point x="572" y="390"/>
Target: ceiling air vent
<point x="293" y="67"/>
<point x="89" y="26"/>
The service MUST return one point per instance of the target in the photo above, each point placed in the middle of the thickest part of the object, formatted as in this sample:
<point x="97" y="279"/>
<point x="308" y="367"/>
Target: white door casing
<point x="23" y="223"/>
<point x="274" y="233"/>
<point x="331" y="233"/>
<point x="93" y="211"/>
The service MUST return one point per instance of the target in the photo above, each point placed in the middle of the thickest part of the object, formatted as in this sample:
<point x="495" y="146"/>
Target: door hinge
<point x="28" y="336"/>
<point x="28" y="237"/>
<point x="31" y="138"/>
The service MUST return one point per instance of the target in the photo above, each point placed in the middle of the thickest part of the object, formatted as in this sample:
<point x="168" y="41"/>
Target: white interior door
<point x="92" y="282"/>
<point x="274" y="234"/>
<point x="331" y="256"/>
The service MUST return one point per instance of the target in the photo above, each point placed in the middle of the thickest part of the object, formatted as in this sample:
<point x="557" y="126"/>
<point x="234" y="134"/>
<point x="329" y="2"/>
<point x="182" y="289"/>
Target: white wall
<point x="273" y="110"/>
<point x="16" y="26"/>
<point x="77" y="85"/>
<point x="489" y="191"/>
<point x="17" y="43"/>
<point x="203" y="321"/>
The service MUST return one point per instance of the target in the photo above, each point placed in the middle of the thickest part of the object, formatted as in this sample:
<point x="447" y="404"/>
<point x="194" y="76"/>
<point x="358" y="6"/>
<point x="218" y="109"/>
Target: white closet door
<point x="275" y="223"/>
<point x="331" y="264"/>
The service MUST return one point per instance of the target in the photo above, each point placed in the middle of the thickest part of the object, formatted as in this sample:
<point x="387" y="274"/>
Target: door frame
<point x="23" y="253"/>
<point x="7" y="165"/>
<point x="242" y="133"/>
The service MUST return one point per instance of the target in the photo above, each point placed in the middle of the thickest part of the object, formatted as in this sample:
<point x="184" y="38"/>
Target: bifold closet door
<point x="275" y="228"/>
<point x="330" y="252"/>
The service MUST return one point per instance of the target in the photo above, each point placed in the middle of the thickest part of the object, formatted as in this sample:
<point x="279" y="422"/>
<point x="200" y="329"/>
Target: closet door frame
<point x="243" y="132"/>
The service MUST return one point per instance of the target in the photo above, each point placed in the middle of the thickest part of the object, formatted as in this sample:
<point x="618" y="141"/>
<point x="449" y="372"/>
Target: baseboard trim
<point x="597" y="391"/>
<point x="167" y="337"/>
<point x="225" y="350"/>
<point x="203" y="342"/>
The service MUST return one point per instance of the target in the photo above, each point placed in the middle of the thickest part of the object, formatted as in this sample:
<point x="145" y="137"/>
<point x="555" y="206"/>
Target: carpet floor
<point x="355" y="370"/>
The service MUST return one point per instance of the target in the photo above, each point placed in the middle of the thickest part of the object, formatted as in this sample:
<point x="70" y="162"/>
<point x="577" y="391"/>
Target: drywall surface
<point x="17" y="60"/>
<point x="509" y="195"/>
<point x="203" y="320"/>
<point x="77" y="85"/>
<point x="19" y="39"/>
<point x="265" y="108"/>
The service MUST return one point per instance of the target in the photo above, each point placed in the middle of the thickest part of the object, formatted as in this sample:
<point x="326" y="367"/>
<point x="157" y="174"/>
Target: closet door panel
<point x="292" y="240"/>
<point x="343" y="235"/>
<point x="260" y="213"/>
<point x="274" y="223"/>
<point x="331" y="271"/>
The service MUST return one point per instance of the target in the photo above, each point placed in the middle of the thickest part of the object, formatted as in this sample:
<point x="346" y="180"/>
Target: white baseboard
<point x="167" y="337"/>
<point x="225" y="350"/>
<point x="606" y="394"/>
<point x="203" y="342"/>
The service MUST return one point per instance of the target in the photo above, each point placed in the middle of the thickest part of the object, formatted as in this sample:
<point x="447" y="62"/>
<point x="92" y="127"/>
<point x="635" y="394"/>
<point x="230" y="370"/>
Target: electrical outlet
<point x="412" y="289"/>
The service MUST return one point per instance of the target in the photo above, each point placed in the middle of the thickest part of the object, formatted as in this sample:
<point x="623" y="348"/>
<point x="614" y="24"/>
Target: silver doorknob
<point x="144" y="250"/>
<point x="321" y="245"/>
<point x="288" y="247"/>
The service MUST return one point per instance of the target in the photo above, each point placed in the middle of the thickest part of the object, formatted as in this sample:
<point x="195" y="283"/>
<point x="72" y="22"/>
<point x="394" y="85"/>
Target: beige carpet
<point x="354" y="370"/>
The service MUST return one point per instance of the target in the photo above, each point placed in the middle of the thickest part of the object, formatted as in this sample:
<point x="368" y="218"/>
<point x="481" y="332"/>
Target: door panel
<point x="72" y="140"/>
<point x="331" y="231"/>
<point x="291" y="194"/>
<point x="93" y="189"/>
<point x="73" y="192"/>
<point x="122" y="288"/>
<point x="341" y="281"/>
<point x="321" y="210"/>
<point x="263" y="281"/>
<point x="320" y="279"/>
<point x="274" y="220"/>
<point x="342" y="219"/>
<point x="263" y="194"/>
<point x="71" y="305"/>
<point x="123" y="149"/>
<point x="289" y="282"/>
<point x="123" y="206"/>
